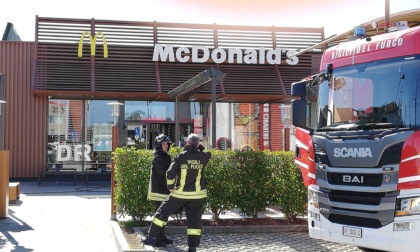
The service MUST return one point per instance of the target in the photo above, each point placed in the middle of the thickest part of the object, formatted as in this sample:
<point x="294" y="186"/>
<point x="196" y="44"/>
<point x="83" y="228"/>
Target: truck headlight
<point x="313" y="198"/>
<point x="408" y="206"/>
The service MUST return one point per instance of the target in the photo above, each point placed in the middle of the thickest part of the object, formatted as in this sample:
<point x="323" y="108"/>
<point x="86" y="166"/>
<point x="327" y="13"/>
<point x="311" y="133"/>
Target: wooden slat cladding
<point x="185" y="36"/>
<point x="174" y="74"/>
<point x="297" y="40"/>
<point x="245" y="79"/>
<point x="129" y="72"/>
<point x="24" y="113"/>
<point x="276" y="128"/>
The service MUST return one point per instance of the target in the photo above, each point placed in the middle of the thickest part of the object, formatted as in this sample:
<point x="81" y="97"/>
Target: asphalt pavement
<point x="60" y="216"/>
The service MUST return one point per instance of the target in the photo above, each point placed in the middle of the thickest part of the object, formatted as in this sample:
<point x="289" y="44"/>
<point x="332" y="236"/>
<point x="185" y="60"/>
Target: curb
<point x="121" y="242"/>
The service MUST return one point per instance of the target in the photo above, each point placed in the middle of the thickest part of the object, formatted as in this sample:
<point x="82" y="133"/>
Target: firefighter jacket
<point x="186" y="174"/>
<point x="158" y="190"/>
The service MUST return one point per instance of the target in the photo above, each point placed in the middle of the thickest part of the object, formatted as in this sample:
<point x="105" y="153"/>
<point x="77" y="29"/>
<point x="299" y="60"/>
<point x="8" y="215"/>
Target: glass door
<point x="137" y="135"/>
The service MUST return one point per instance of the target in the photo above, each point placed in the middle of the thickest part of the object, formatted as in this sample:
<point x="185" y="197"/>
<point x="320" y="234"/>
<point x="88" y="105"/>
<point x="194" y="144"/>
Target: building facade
<point x="61" y="90"/>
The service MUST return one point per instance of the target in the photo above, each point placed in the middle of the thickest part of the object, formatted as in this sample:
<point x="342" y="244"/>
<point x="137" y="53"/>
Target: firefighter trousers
<point x="193" y="211"/>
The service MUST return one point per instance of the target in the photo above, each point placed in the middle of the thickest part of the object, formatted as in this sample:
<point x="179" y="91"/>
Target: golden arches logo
<point x="92" y="44"/>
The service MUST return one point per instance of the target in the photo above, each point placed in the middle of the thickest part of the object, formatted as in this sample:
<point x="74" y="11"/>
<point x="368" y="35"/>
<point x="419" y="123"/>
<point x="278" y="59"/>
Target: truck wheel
<point x="370" y="250"/>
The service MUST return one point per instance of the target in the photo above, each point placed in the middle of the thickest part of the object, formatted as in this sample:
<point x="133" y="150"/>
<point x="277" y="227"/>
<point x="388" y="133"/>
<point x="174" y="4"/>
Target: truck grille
<point x="355" y="179"/>
<point x="363" y="198"/>
<point x="373" y="201"/>
<point x="355" y="221"/>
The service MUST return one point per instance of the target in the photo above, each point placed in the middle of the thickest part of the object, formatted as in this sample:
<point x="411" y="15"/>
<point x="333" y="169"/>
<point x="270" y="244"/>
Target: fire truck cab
<point x="358" y="142"/>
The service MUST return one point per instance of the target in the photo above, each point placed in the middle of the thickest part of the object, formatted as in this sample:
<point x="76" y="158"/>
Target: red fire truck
<point x="358" y="142"/>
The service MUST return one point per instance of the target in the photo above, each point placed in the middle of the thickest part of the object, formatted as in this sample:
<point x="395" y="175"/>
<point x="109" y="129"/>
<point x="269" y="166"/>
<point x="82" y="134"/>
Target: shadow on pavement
<point x="9" y="225"/>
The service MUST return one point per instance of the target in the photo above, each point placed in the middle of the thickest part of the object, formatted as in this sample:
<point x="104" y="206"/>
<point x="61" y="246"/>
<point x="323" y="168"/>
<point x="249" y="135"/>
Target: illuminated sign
<point x="92" y="41"/>
<point x="201" y="54"/>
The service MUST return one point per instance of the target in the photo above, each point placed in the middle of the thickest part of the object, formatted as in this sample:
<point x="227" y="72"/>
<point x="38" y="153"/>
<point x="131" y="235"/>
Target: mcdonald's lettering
<point x="92" y="44"/>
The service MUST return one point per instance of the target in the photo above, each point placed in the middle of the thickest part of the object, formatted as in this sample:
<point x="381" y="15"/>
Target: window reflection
<point x="149" y="111"/>
<point x="380" y="92"/>
<point x="79" y="134"/>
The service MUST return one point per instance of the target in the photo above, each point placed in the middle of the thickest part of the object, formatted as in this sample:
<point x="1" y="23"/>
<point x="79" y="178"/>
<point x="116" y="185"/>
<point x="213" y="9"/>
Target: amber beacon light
<point x="92" y="44"/>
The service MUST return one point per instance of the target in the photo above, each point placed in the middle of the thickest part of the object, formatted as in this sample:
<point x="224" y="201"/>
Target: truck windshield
<point x="378" y="94"/>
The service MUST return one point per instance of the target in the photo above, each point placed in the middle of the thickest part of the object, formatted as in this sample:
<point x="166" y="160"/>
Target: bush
<point x="251" y="178"/>
<point x="220" y="180"/>
<point x="132" y="174"/>
<point x="289" y="192"/>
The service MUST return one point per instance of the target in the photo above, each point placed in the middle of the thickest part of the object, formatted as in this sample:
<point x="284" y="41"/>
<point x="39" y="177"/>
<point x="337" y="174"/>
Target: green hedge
<point x="132" y="174"/>
<point x="220" y="178"/>
<point x="245" y="180"/>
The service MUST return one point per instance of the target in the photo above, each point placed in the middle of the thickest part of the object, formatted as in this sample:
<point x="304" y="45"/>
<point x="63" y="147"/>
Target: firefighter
<point x="158" y="190"/>
<point x="186" y="182"/>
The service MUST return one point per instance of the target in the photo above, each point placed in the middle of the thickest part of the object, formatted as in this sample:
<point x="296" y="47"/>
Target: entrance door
<point x="154" y="132"/>
<point x="161" y="128"/>
<point x="137" y="135"/>
<point x="144" y="134"/>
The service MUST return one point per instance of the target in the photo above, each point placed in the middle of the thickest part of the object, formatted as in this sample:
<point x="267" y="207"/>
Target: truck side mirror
<point x="299" y="113"/>
<point x="299" y="89"/>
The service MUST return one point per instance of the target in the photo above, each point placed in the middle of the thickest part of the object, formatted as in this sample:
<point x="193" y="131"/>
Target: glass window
<point x="65" y="133"/>
<point x="146" y="111"/>
<point x="246" y="125"/>
<point x="79" y="133"/>
<point x="382" y="92"/>
<point x="99" y="131"/>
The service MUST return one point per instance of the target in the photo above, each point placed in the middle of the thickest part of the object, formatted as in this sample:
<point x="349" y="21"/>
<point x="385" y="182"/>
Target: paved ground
<point x="63" y="217"/>
<point x="59" y="217"/>
<point x="252" y="242"/>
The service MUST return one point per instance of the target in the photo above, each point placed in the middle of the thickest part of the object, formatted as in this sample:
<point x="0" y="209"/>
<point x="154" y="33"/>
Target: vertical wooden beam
<point x="92" y="59"/>
<point x="4" y="183"/>
<point x="280" y="79"/>
<point x="217" y="66"/>
<point x="287" y="139"/>
<point x="157" y="70"/>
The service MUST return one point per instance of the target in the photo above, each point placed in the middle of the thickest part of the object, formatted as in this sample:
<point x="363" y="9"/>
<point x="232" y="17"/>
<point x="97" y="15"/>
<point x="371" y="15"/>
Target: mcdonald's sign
<point x="92" y="44"/>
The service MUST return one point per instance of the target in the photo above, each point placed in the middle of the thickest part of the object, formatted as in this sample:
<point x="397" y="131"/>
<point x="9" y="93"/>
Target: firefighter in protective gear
<point x="158" y="190"/>
<point x="186" y="181"/>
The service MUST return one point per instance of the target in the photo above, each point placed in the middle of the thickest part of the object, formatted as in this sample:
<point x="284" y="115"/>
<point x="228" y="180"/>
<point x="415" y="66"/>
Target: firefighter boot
<point x="192" y="249"/>
<point x="164" y="239"/>
<point x="150" y="240"/>
<point x="154" y="242"/>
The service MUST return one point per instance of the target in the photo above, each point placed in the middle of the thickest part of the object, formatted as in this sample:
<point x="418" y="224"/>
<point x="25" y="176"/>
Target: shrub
<point x="220" y="180"/>
<point x="248" y="180"/>
<point x="252" y="190"/>
<point x="289" y="192"/>
<point x="132" y="175"/>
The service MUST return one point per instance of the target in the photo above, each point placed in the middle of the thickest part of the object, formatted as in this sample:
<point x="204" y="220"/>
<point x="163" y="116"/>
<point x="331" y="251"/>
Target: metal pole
<point x="386" y="16"/>
<point x="178" y="142"/>
<point x="114" y="146"/>
<point x="213" y="112"/>
<point x="122" y="138"/>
